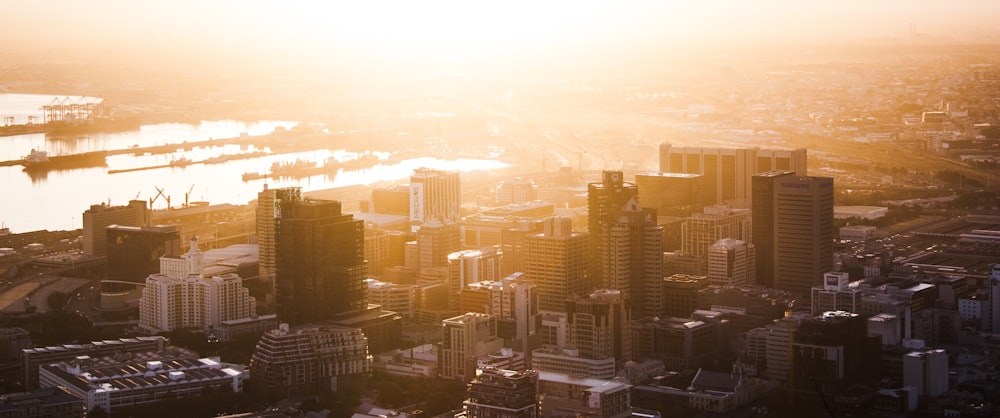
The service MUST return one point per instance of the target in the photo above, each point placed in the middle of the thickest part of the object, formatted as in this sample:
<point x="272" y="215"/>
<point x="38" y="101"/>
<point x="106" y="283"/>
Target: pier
<point x="278" y="142"/>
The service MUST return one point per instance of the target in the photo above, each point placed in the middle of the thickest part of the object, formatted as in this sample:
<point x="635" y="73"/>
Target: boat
<point x="39" y="160"/>
<point x="35" y="158"/>
<point x="252" y="175"/>
<point x="180" y="162"/>
<point x="294" y="169"/>
<point x="363" y="161"/>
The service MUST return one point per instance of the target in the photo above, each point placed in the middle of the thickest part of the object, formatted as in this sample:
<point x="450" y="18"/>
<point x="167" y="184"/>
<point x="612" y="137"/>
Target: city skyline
<point x="460" y="209"/>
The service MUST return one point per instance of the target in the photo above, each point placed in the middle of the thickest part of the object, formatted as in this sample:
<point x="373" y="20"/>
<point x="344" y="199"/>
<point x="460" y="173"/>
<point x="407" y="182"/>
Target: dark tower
<point x="320" y="263"/>
<point x="605" y="201"/>
<point x="792" y="230"/>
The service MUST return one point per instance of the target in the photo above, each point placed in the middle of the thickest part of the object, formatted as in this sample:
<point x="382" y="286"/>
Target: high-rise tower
<point x="605" y="201"/>
<point x="319" y="261"/>
<point x="599" y="326"/>
<point x="434" y="194"/>
<point x="792" y="230"/>
<point x="268" y="202"/>
<point x="557" y="263"/>
<point x="99" y="217"/>
<point x="731" y="263"/>
<point x="727" y="171"/>
<point x="633" y="259"/>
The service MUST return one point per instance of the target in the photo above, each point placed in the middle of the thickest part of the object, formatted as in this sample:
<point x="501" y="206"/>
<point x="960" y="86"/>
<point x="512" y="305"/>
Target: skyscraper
<point x="599" y="326"/>
<point x="134" y="252"/>
<point x="434" y="194"/>
<point x="435" y="240"/>
<point x="671" y="194"/>
<point x="319" y="261"/>
<point x="727" y="171"/>
<point x="470" y="266"/>
<point x="464" y="339"/>
<point x="557" y="263"/>
<point x="792" y="230"/>
<point x="701" y="230"/>
<point x="633" y="259"/>
<point x="99" y="217"/>
<point x="268" y="202"/>
<point x="513" y="301"/>
<point x="605" y="202"/>
<point x="731" y="263"/>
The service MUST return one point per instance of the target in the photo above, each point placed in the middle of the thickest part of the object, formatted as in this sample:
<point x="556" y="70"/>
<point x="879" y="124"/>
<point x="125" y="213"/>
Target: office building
<point x="927" y="371"/>
<point x="632" y="259"/>
<point x="731" y="263"/>
<point x="680" y="294"/>
<point x="563" y="395"/>
<point x="778" y="345"/>
<point x="320" y="267"/>
<point x="569" y="361"/>
<point x="12" y="341"/>
<point x="557" y="263"/>
<point x="792" y="230"/>
<point x="887" y="328"/>
<point x="680" y="343"/>
<point x="496" y="393"/>
<point x="518" y="190"/>
<point x="513" y="243"/>
<point x="470" y="266"/>
<point x="605" y="202"/>
<point x="393" y="297"/>
<point x="99" y="217"/>
<point x="435" y="240"/>
<point x="833" y="351"/>
<point x="269" y="202"/>
<point x="394" y="200"/>
<point x="513" y="300"/>
<point x="308" y="360"/>
<point x="134" y="252"/>
<point x="31" y="358"/>
<point x="727" y="172"/>
<point x="836" y="294"/>
<point x="434" y="194"/>
<point x="598" y="326"/>
<point x="111" y="384"/>
<point x="464" y="339"/>
<point x="748" y="307"/>
<point x="702" y="230"/>
<point x="670" y="194"/>
<point x="52" y="402"/>
<point x="487" y="227"/>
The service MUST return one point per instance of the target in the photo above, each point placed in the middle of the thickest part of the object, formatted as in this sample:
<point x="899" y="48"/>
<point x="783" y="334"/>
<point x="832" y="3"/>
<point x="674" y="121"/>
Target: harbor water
<point x="56" y="199"/>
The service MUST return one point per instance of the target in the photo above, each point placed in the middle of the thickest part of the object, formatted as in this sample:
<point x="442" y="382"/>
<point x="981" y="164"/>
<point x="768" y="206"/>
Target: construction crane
<point x="159" y="192"/>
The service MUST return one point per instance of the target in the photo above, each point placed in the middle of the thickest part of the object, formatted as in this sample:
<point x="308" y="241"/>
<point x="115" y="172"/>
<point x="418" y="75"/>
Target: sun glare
<point x="446" y="29"/>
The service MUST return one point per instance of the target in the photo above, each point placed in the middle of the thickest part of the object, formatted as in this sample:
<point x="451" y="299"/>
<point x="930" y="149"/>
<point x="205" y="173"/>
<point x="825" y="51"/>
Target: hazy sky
<point x="414" y="32"/>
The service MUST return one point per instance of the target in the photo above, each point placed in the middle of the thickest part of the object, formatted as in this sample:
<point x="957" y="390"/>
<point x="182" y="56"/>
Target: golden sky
<point x="418" y="32"/>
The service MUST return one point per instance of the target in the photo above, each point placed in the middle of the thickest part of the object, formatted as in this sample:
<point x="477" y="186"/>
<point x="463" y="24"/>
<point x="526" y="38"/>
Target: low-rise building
<point x="109" y="386"/>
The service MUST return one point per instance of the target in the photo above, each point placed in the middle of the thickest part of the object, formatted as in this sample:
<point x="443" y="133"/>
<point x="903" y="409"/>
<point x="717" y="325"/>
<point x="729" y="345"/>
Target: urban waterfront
<point x="55" y="199"/>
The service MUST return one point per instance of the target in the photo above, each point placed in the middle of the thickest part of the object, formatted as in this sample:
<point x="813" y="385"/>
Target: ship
<point x="252" y="175"/>
<point x="294" y="169"/>
<point x="39" y="160"/>
<point x="180" y="162"/>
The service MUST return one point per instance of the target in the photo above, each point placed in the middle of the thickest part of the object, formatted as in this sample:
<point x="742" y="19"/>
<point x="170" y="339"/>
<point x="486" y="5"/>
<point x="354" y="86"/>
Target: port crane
<point x="188" y="195"/>
<point x="159" y="193"/>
